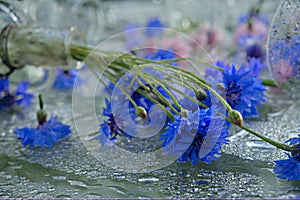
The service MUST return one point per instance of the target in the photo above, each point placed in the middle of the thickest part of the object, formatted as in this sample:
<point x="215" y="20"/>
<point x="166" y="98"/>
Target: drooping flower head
<point x="9" y="99"/>
<point x="290" y="168"/>
<point x="65" y="79"/>
<point x="251" y="34"/>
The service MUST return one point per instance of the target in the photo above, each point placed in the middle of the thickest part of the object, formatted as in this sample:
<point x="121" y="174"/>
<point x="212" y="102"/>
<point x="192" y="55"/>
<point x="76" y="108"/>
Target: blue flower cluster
<point x="290" y="168"/>
<point x="45" y="134"/>
<point x="9" y="99"/>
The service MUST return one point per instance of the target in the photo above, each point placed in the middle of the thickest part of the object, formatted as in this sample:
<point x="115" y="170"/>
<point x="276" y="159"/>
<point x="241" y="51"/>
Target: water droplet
<point x="259" y="145"/>
<point x="148" y="180"/>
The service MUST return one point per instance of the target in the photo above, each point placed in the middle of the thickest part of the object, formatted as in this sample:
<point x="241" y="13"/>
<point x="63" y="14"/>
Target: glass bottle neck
<point x="30" y="45"/>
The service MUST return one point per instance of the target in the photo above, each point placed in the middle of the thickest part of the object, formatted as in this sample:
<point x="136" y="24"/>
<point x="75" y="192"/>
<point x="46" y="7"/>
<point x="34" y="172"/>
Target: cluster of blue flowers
<point x="10" y="99"/>
<point x="198" y="129"/>
<point x="290" y="168"/>
<point x="242" y="90"/>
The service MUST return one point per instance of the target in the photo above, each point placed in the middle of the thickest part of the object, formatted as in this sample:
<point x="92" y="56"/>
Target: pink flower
<point x="150" y="47"/>
<point x="178" y="46"/>
<point x="207" y="35"/>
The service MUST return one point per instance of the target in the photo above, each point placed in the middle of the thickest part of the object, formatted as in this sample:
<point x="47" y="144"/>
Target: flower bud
<point x="221" y="87"/>
<point x="141" y="112"/>
<point x="200" y="94"/>
<point x="235" y="117"/>
<point x="42" y="116"/>
<point x="184" y="112"/>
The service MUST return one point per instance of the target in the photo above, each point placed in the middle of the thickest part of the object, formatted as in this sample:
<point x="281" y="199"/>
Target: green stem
<point x="269" y="82"/>
<point x="175" y="69"/>
<point x="170" y="115"/>
<point x="160" y="96"/>
<point x="41" y="102"/>
<point x="204" y="85"/>
<point x="125" y="93"/>
<point x="279" y="145"/>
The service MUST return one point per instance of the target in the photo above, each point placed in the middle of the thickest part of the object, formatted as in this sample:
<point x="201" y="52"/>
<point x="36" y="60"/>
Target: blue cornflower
<point x="109" y="129"/>
<point x="19" y="97"/>
<point x="243" y="90"/>
<point x="153" y="27"/>
<point x="45" y="134"/>
<point x="200" y="136"/>
<point x="65" y="79"/>
<point x="290" y="168"/>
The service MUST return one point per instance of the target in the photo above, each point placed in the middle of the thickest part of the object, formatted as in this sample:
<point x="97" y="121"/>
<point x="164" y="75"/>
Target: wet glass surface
<point x="69" y="170"/>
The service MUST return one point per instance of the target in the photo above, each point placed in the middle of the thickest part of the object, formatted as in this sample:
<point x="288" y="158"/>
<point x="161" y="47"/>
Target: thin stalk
<point x="125" y="93"/>
<point x="168" y="92"/>
<point x="269" y="82"/>
<point x="279" y="145"/>
<point x="160" y="96"/>
<point x="170" y="115"/>
<point x="204" y="85"/>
